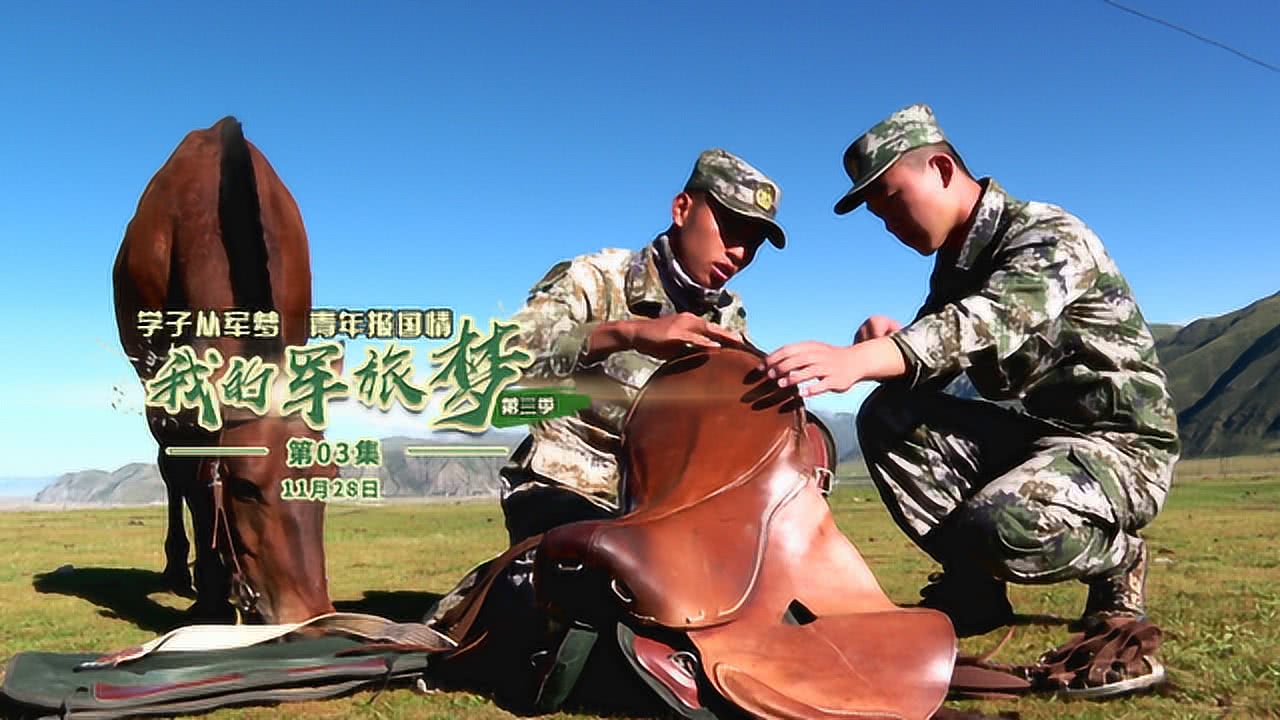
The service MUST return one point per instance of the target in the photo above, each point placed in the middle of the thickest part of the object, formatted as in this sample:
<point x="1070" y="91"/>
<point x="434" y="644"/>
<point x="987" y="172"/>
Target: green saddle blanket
<point x="43" y="685"/>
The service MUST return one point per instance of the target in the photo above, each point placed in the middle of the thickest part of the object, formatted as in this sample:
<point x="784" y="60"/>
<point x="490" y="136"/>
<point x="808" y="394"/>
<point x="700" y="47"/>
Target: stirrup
<point x="1082" y="666"/>
<point x="1156" y="676"/>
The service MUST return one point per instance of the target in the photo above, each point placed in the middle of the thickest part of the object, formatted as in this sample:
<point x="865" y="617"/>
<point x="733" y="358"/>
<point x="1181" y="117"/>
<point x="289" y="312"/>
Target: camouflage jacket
<point x="1033" y="308"/>
<point x="582" y="451"/>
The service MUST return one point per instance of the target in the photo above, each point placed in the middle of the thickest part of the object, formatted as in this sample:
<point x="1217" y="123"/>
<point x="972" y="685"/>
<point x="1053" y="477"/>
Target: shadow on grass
<point x="121" y="593"/>
<point x="397" y="605"/>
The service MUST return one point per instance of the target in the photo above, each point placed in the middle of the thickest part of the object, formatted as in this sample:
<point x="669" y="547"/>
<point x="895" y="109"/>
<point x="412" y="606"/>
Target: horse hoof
<point x="179" y="583"/>
<point x="215" y="613"/>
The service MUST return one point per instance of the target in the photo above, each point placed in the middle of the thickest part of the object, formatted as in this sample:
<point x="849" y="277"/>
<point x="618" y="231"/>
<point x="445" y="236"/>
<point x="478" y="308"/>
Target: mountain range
<point x="1224" y="375"/>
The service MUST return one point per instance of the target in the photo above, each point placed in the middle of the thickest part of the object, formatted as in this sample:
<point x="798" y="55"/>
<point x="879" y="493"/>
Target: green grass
<point x="1237" y="466"/>
<point x="1214" y="588"/>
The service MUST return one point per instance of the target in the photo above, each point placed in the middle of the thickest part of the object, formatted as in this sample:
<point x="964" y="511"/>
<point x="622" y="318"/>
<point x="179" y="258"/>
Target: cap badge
<point x="764" y="197"/>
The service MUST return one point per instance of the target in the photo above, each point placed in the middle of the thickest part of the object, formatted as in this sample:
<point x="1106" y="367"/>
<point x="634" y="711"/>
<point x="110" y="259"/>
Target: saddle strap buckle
<point x="686" y="661"/>
<point x="826" y="480"/>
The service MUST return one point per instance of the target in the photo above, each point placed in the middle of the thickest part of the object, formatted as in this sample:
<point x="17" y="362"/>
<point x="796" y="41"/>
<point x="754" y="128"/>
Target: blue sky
<point x="448" y="156"/>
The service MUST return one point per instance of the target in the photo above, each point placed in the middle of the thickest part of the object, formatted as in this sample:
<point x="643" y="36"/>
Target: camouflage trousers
<point x="986" y="488"/>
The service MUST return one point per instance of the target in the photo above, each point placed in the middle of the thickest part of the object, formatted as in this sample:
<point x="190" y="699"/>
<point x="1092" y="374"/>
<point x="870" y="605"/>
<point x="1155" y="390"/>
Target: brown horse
<point x="216" y="229"/>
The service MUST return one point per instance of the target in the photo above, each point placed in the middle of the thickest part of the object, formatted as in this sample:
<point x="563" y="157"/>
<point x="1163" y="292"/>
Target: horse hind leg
<point x="176" y="547"/>
<point x="211" y="582"/>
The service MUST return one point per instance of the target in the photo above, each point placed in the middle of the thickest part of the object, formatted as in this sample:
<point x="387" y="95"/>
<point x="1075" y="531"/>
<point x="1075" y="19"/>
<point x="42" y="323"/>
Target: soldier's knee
<point x="1027" y="541"/>
<point x="1013" y="536"/>
<point x="1004" y="526"/>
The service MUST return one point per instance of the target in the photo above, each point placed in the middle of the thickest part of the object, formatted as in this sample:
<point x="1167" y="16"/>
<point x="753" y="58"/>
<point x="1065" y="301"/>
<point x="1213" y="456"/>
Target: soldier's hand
<point x="831" y="367"/>
<point x="876" y="326"/>
<point x="671" y="336"/>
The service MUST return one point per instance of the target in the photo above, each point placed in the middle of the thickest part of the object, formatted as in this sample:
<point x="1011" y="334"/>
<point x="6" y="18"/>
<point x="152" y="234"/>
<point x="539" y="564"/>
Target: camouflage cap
<point x="739" y="187"/>
<point x="878" y="148"/>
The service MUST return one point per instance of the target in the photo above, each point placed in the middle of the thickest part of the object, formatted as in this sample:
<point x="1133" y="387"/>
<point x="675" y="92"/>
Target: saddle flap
<point x="891" y="664"/>
<point x="682" y="567"/>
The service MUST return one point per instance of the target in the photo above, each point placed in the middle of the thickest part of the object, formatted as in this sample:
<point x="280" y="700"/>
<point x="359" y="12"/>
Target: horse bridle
<point x="242" y="595"/>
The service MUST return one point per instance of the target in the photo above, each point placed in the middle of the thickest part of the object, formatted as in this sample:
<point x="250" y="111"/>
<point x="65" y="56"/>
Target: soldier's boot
<point x="975" y="603"/>
<point x="1119" y="594"/>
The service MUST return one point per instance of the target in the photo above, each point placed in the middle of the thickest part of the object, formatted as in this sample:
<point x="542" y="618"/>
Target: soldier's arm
<point x="563" y="326"/>
<point x="663" y="337"/>
<point x="557" y="319"/>
<point x="605" y="339"/>
<point x="1040" y="272"/>
<point x="667" y="336"/>
<point x="939" y="382"/>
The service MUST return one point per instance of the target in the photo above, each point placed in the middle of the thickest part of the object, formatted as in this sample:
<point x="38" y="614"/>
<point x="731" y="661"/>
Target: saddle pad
<point x="191" y="681"/>
<point x="223" y="637"/>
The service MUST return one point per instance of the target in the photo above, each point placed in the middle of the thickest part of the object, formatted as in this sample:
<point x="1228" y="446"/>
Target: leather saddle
<point x="726" y="541"/>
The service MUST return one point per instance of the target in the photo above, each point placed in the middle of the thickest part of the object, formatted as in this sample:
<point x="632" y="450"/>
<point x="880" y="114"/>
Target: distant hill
<point x="403" y="476"/>
<point x="1164" y="331"/>
<point x="135" y="483"/>
<point x="844" y="431"/>
<point x="1224" y="375"/>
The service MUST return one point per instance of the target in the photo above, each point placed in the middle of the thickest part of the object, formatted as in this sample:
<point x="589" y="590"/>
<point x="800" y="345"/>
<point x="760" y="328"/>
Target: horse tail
<point x="240" y="224"/>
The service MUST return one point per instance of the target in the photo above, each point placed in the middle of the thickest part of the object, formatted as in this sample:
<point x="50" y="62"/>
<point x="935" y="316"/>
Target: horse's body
<point x="216" y="229"/>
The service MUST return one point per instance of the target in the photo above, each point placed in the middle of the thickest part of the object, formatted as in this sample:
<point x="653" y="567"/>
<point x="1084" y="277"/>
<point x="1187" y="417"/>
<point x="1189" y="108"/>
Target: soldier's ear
<point x="681" y="206"/>
<point x="945" y="166"/>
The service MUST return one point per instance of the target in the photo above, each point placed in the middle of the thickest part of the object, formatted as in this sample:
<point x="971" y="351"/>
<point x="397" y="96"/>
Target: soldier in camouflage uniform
<point x="1070" y="451"/>
<point x="602" y="323"/>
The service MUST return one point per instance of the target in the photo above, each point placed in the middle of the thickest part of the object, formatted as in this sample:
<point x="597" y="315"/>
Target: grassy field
<point x="1214" y="588"/>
